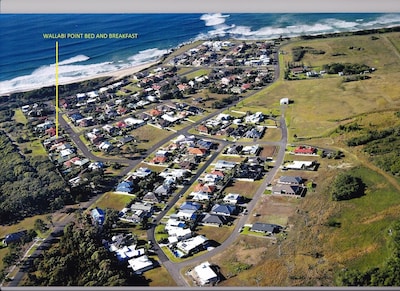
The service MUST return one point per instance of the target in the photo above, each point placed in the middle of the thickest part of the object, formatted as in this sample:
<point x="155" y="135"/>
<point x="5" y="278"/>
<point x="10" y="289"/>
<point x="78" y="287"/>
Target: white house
<point x="140" y="264"/>
<point x="192" y="245"/>
<point x="232" y="198"/>
<point x="204" y="274"/>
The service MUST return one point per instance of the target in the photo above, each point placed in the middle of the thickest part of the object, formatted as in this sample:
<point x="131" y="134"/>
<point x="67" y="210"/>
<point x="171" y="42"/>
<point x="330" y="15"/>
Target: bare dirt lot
<point x="274" y="209"/>
<point x="268" y="151"/>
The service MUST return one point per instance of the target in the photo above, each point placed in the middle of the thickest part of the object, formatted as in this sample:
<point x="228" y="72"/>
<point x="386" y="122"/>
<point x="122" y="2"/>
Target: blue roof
<point x="190" y="205"/>
<point x="76" y="116"/>
<point x="125" y="186"/>
<point x="14" y="237"/>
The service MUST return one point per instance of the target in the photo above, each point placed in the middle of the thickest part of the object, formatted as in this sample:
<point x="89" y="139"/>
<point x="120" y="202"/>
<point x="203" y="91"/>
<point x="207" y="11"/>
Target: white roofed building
<point x="192" y="245"/>
<point x="140" y="264"/>
<point x="203" y="274"/>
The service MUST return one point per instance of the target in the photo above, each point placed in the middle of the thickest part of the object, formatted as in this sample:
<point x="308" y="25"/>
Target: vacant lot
<point x="113" y="200"/>
<point x="274" y="209"/>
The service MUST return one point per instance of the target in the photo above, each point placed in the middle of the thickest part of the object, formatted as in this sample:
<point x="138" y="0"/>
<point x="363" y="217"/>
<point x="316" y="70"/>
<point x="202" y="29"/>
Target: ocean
<point x="92" y="44"/>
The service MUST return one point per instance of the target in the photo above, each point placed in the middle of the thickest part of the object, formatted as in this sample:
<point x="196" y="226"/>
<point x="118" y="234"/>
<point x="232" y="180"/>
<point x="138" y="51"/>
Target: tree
<point x="40" y="225"/>
<point x="145" y="223"/>
<point x="346" y="186"/>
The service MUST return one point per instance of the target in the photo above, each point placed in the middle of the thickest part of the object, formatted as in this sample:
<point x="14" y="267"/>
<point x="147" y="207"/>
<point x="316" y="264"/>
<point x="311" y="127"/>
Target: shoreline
<point x="115" y="75"/>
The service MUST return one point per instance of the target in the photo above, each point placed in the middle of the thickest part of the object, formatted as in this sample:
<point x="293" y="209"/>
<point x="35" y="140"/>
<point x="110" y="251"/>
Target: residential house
<point x="211" y="178"/>
<point x="255" y="161"/>
<point x="14" y="237"/>
<point x="301" y="165"/>
<point x="150" y="197"/>
<point x="146" y="207"/>
<point x="141" y="172"/>
<point x="187" y="214"/>
<point x="232" y="198"/>
<point x="98" y="215"/>
<point x="223" y="209"/>
<point x="290" y="180"/>
<point x="204" y="188"/>
<point x="213" y="220"/>
<point x="304" y="150"/>
<point x="105" y="146"/>
<point x="141" y="264"/>
<point x="254" y="118"/>
<point x="129" y="252"/>
<point x="266" y="228"/>
<point x="124" y="187"/>
<point x="224" y="165"/>
<point x="205" y="144"/>
<point x="134" y="122"/>
<point x="192" y="245"/>
<point x="251" y="150"/>
<point x="201" y="152"/>
<point x="255" y="132"/>
<point x="125" y="139"/>
<point x="189" y="205"/>
<point x="177" y="233"/>
<point x="163" y="190"/>
<point x="204" y="274"/>
<point x="286" y="189"/>
<point x="218" y="173"/>
<point x="200" y="196"/>
<point x="249" y="172"/>
<point x="234" y="149"/>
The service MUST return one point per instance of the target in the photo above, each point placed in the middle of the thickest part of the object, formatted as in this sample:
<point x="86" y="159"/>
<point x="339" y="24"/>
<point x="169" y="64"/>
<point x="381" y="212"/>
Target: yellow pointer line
<point x="56" y="89"/>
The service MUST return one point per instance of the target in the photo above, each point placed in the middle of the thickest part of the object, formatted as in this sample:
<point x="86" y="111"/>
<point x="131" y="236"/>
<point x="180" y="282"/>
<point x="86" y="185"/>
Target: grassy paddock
<point x="218" y="234"/>
<point x="319" y="104"/>
<point x="113" y="200"/>
<point x="197" y="73"/>
<point x="19" y="117"/>
<point x="245" y="188"/>
<point x="149" y="135"/>
<point x="159" y="277"/>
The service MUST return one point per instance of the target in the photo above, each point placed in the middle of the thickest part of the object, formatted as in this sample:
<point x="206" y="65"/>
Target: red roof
<point x="121" y="124"/>
<point x="197" y="151"/>
<point x="218" y="173"/>
<point x="202" y="128"/>
<point x="159" y="160"/>
<point x="51" y="131"/>
<point x="246" y="86"/>
<point x="204" y="188"/>
<point x="155" y="112"/>
<point x="304" y="150"/>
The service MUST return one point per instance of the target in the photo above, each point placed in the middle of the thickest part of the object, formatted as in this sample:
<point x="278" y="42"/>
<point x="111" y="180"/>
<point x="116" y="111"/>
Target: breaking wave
<point x="74" y="69"/>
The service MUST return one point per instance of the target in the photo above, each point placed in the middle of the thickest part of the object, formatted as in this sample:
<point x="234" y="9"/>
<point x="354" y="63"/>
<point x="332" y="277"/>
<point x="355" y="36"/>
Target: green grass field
<point x="149" y="135"/>
<point x="197" y="73"/>
<point x="19" y="117"/>
<point x="113" y="200"/>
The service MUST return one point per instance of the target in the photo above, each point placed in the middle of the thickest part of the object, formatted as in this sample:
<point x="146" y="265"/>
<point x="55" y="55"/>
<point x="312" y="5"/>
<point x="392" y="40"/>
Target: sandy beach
<point x="116" y="75"/>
